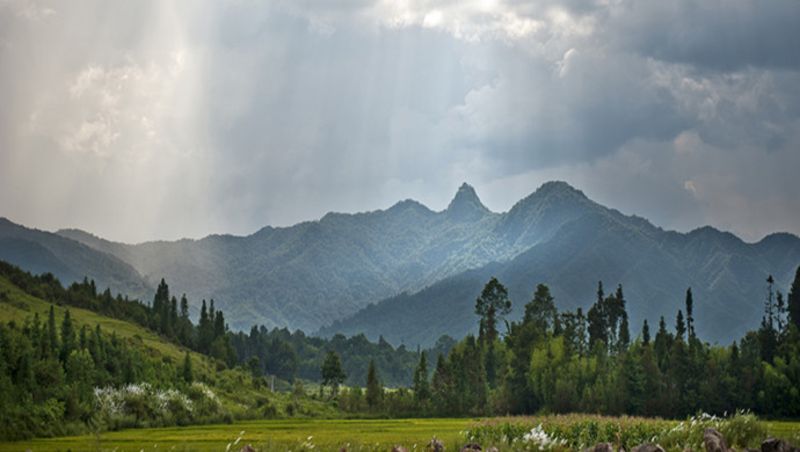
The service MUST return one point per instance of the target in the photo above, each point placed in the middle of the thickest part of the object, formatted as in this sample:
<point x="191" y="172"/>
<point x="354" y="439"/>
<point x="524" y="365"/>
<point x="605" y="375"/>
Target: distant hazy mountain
<point x="428" y="267"/>
<point x="310" y="274"/>
<point x="41" y="252"/>
<point x="578" y="242"/>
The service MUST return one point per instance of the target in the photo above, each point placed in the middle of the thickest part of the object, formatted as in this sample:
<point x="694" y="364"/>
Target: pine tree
<point x="645" y="333"/>
<point x="680" y="326"/>
<point x="662" y="345"/>
<point x="67" y="337"/>
<point x="374" y="387"/>
<point x="624" y="334"/>
<point x="186" y="370"/>
<point x="492" y="306"/>
<point x="793" y="301"/>
<point x="541" y="311"/>
<point x="422" y="391"/>
<point x="52" y="333"/>
<point x="689" y="317"/>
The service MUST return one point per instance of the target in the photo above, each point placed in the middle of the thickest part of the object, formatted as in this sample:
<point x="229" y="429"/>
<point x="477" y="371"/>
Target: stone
<point x="471" y="447"/>
<point x="648" y="447"/>
<point x="600" y="447"/>
<point x="777" y="445"/>
<point x="714" y="441"/>
<point x="436" y="445"/>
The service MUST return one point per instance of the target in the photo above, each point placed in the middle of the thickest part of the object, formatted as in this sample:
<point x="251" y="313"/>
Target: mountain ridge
<point x="314" y="273"/>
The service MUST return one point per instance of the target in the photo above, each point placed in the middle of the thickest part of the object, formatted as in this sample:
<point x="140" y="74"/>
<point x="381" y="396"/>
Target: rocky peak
<point x="466" y="206"/>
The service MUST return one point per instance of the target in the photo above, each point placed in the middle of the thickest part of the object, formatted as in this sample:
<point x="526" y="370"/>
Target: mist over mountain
<point x="69" y="260"/>
<point x="411" y="274"/>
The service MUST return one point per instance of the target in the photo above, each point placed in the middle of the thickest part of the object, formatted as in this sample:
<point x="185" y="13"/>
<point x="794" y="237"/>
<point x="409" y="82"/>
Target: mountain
<point x="312" y="273"/>
<point x="40" y="251"/>
<point x="411" y="273"/>
<point x="578" y="243"/>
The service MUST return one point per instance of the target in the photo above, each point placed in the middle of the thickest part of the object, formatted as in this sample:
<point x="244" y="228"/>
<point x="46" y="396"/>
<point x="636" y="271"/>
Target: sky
<point x="163" y="119"/>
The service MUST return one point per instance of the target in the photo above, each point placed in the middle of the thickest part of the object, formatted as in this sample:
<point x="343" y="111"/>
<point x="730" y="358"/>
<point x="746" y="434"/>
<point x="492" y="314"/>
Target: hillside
<point x="19" y="306"/>
<point x="45" y="252"/>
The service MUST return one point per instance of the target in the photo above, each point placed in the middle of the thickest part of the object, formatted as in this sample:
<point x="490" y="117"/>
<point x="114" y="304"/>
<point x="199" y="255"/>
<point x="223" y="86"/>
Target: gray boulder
<point x="777" y="445"/>
<point x="714" y="441"/>
<point x="648" y="447"/>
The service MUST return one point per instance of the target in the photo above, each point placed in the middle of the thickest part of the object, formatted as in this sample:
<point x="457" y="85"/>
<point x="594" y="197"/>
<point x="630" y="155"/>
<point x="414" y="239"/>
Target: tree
<point x="541" y="311"/>
<point x="67" y="336"/>
<point x="332" y="373"/>
<point x="422" y="390"/>
<point x="441" y="387"/>
<point x="793" y="300"/>
<point x="374" y="387"/>
<point x="624" y="334"/>
<point x="186" y="370"/>
<point x="52" y="333"/>
<point x="680" y="326"/>
<point x="491" y="306"/>
<point x="662" y="345"/>
<point x="645" y="333"/>
<point x="689" y="316"/>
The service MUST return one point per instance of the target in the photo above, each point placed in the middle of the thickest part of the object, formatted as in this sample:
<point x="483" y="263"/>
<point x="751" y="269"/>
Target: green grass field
<point x="285" y="435"/>
<point x="265" y="435"/>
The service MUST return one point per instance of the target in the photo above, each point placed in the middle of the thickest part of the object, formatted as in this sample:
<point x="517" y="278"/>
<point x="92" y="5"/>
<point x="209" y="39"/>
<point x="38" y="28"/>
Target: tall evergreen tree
<point x="374" y="388"/>
<point x="492" y="306"/>
<point x="541" y="311"/>
<point x="680" y="326"/>
<point x="597" y="319"/>
<point x="422" y="391"/>
<point x="67" y="336"/>
<point x="793" y="300"/>
<point x="645" y="333"/>
<point x="624" y="334"/>
<point x="186" y="370"/>
<point x="689" y="313"/>
<point x="52" y="332"/>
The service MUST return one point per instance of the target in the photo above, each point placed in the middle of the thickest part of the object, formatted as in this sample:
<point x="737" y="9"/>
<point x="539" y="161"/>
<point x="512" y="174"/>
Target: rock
<point x="471" y="447"/>
<point x="714" y="441"/>
<point x="492" y="449"/>
<point x="600" y="447"/>
<point x="777" y="445"/>
<point x="648" y="447"/>
<point x="248" y="448"/>
<point x="399" y="449"/>
<point x="436" y="445"/>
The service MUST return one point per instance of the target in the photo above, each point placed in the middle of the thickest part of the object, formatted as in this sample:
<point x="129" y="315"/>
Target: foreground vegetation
<point x="517" y="433"/>
<point x="74" y="361"/>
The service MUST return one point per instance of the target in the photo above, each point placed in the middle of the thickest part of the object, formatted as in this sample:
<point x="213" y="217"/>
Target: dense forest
<point x="560" y="362"/>
<point x="56" y="377"/>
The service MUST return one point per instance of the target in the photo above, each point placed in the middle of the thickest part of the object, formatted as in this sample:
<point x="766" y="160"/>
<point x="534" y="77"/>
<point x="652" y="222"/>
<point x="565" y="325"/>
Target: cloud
<point x="176" y="119"/>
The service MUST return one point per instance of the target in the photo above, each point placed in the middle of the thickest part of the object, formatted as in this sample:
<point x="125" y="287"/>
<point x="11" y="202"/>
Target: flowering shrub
<point x="576" y="432"/>
<point x="142" y="405"/>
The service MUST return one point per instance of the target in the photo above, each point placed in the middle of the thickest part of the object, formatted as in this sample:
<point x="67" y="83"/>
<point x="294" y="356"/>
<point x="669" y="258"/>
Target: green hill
<point x="114" y="373"/>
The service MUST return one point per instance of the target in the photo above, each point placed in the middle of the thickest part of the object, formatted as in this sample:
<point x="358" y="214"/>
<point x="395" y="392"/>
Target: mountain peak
<point x="466" y="206"/>
<point x="558" y="186"/>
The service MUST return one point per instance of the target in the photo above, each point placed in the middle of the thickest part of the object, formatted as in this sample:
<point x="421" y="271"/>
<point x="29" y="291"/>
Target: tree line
<point x="571" y="361"/>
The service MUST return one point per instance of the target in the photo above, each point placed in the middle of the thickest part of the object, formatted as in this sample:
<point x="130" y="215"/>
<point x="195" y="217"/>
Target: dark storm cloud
<point x="169" y="119"/>
<point x="716" y="34"/>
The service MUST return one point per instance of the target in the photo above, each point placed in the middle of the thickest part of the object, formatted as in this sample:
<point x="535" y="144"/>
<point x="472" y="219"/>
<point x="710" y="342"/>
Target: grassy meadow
<point x="356" y="435"/>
